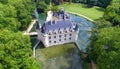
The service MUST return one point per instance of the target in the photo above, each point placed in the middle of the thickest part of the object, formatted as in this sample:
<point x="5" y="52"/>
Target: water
<point x="70" y="60"/>
<point x="85" y="27"/>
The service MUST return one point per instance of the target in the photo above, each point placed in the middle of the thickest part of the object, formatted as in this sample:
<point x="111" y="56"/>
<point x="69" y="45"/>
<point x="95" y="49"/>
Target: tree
<point x="112" y="13"/>
<point x="3" y="1"/>
<point x="24" y="9"/>
<point x="102" y="23"/>
<point x="103" y="3"/>
<point x="15" y="51"/>
<point x="41" y="6"/>
<point x="8" y="18"/>
<point x="91" y="3"/>
<point x="104" y="49"/>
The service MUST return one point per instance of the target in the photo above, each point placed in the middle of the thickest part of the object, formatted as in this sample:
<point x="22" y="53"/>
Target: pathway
<point x="27" y="32"/>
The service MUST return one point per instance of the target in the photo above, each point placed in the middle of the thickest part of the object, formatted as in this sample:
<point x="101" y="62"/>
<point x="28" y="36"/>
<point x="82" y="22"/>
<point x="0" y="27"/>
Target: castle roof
<point x="57" y="25"/>
<point x="62" y="22"/>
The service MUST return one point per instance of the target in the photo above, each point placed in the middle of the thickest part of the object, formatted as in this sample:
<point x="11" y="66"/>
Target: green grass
<point x="92" y="13"/>
<point x="56" y="51"/>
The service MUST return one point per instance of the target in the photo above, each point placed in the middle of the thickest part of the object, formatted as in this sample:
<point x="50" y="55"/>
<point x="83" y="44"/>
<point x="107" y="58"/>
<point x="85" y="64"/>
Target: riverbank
<point x="81" y="16"/>
<point x="89" y="13"/>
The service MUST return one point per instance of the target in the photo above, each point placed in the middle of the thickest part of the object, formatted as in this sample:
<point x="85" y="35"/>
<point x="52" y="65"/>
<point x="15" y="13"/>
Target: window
<point x="65" y="35"/>
<point x="59" y="35"/>
<point x="49" y="33"/>
<point x="70" y="38"/>
<point x="54" y="32"/>
<point x="59" y="39"/>
<point x="70" y="34"/>
<point x="66" y="31"/>
<point x="49" y="41"/>
<point x="54" y="36"/>
<point x="64" y="38"/>
<point x="49" y="37"/>
<point x="60" y="32"/>
<point x="54" y="41"/>
<point x="70" y="30"/>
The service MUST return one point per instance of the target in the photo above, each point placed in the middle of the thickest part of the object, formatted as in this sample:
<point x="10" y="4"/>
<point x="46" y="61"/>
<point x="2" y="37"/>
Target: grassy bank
<point x="91" y="13"/>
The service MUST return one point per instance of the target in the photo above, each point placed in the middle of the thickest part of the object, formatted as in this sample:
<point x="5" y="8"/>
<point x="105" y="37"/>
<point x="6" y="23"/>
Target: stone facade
<point x="57" y="29"/>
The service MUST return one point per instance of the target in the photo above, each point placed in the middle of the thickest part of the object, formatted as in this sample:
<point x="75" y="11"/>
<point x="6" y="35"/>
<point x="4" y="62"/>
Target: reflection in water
<point x="71" y="60"/>
<point x="84" y="34"/>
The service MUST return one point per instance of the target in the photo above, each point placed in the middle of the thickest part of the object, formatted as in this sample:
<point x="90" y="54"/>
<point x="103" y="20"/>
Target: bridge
<point x="31" y="33"/>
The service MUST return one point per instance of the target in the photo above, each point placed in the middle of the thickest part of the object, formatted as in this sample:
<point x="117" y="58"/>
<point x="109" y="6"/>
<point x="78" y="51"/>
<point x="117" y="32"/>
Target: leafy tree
<point x="8" y="18"/>
<point x="41" y="6"/>
<point x="104" y="49"/>
<point x="3" y="1"/>
<point x="24" y="10"/>
<point x="112" y="13"/>
<point x="15" y="50"/>
<point x="103" y="3"/>
<point x="91" y="3"/>
<point x="102" y="23"/>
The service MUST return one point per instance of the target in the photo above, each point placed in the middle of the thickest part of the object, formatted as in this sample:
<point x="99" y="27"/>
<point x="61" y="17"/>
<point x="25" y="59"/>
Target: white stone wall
<point x="55" y="39"/>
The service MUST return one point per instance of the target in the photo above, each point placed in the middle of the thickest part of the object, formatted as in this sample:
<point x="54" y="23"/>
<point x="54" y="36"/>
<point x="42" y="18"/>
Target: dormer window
<point x="70" y="30"/>
<point x="66" y="31"/>
<point x="49" y="33"/>
<point x="54" y="32"/>
<point x="60" y="32"/>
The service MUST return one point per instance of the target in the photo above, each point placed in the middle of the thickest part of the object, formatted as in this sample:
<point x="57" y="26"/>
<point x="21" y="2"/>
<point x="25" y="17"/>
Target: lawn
<point x="91" y="13"/>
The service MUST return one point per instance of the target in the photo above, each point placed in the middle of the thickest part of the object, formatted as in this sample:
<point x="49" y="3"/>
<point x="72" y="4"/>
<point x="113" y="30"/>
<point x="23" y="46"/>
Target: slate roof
<point x="58" y="24"/>
<point x="51" y="26"/>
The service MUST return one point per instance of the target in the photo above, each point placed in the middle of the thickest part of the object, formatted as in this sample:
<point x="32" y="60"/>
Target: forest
<point x="16" y="49"/>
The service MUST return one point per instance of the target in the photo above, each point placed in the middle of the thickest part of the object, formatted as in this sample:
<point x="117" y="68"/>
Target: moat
<point x="65" y="56"/>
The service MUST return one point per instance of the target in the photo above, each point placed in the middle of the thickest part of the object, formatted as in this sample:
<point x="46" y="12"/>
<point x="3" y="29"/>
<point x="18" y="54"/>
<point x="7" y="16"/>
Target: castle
<point x="57" y="29"/>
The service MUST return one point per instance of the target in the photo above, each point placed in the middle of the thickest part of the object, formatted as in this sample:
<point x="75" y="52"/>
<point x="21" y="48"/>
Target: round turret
<point x="49" y="15"/>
